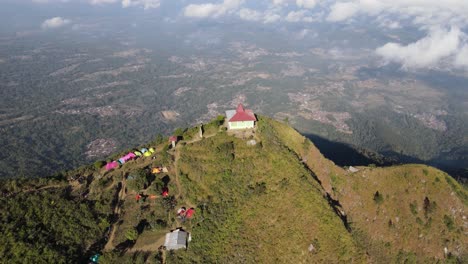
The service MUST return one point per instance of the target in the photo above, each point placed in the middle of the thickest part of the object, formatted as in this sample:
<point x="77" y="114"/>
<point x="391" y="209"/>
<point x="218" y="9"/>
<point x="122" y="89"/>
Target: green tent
<point x="138" y="153"/>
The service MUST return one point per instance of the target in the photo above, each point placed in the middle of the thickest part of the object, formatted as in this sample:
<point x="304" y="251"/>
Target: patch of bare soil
<point x="170" y="115"/>
<point x="100" y="147"/>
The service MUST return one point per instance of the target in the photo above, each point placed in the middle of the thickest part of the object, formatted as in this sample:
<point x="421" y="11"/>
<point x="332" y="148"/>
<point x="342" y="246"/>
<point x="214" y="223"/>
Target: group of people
<point x="164" y="193"/>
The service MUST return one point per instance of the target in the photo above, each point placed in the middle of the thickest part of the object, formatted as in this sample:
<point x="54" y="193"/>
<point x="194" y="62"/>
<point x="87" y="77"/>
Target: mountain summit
<point x="259" y="195"/>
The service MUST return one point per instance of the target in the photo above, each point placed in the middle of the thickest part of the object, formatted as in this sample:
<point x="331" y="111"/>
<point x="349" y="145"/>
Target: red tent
<point x="165" y="192"/>
<point x="138" y="197"/>
<point x="189" y="213"/>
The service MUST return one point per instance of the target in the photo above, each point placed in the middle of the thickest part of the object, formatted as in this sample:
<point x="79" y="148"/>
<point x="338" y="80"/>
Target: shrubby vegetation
<point x="47" y="226"/>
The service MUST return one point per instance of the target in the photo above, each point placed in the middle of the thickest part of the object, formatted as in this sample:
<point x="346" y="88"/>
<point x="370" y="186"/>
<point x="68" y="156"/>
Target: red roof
<point x="243" y="115"/>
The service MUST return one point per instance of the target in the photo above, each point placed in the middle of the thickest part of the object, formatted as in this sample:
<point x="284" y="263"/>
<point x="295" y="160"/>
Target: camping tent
<point x="190" y="213"/>
<point x="147" y="154"/>
<point x="143" y="150"/>
<point x="137" y="153"/>
<point x="151" y="150"/>
<point x="112" y="165"/>
<point x="122" y="160"/>
<point x="181" y="211"/>
<point x="165" y="192"/>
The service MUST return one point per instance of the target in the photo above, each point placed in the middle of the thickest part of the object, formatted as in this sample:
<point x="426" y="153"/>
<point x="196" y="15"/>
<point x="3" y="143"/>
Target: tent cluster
<point x="130" y="156"/>
<point x="183" y="213"/>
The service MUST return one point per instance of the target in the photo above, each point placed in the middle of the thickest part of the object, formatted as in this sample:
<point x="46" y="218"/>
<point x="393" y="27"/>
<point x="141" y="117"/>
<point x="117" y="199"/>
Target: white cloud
<point x="462" y="57"/>
<point x="342" y="11"/>
<point x="54" y="22"/>
<point x="426" y="52"/>
<point x="147" y="4"/>
<point x="212" y="10"/>
<point x="278" y="2"/>
<point x="425" y="13"/>
<point x="202" y="10"/>
<point x="250" y="15"/>
<point x="306" y="3"/>
<point x="297" y="16"/>
<point x="102" y="2"/>
<point x="271" y="17"/>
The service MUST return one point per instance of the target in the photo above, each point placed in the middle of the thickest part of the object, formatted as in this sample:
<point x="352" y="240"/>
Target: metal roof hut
<point x="173" y="140"/>
<point x="240" y="118"/>
<point x="177" y="239"/>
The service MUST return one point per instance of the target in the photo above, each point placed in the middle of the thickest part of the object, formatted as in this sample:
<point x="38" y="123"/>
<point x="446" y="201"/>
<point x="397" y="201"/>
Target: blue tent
<point x="95" y="258"/>
<point x="143" y="150"/>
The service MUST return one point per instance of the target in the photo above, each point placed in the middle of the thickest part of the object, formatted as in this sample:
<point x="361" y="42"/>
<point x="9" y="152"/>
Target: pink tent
<point x="129" y="156"/>
<point x="112" y="165"/>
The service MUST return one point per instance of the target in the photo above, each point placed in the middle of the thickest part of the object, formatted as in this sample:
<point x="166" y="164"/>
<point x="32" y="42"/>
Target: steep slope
<point x="397" y="213"/>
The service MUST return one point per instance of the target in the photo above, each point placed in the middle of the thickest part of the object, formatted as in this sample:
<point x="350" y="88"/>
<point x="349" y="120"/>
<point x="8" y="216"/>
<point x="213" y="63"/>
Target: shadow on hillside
<point x="343" y="154"/>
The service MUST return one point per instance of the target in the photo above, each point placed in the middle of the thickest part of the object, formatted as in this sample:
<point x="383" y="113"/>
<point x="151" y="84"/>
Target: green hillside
<point x="263" y="196"/>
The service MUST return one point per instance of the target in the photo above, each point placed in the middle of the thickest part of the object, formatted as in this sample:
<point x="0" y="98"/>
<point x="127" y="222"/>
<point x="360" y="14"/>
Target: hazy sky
<point x="441" y="25"/>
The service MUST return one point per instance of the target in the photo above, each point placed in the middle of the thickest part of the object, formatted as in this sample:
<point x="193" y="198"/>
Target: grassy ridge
<point x="269" y="203"/>
<point x="399" y="213"/>
<point x="260" y="205"/>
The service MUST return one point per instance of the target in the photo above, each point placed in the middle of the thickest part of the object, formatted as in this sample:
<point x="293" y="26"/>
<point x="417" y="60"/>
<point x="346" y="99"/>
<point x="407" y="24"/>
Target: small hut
<point x="177" y="239"/>
<point x="240" y="118"/>
<point x="173" y="140"/>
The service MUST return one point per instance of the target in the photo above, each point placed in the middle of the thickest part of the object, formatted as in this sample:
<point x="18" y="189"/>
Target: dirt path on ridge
<point x="176" y="161"/>
<point x="109" y="246"/>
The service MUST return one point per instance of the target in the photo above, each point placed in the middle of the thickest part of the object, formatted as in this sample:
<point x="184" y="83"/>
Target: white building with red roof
<point x="240" y="118"/>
